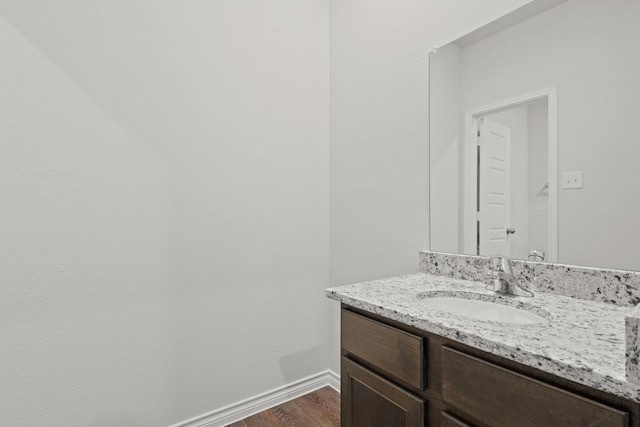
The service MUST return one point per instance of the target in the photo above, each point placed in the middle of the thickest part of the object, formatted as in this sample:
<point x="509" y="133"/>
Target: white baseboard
<point x="237" y="411"/>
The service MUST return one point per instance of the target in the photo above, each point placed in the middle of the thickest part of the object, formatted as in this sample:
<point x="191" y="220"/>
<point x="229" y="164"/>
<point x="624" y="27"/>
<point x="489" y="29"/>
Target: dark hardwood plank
<point x="323" y="406"/>
<point x="320" y="408"/>
<point x="257" y="420"/>
<point x="289" y="414"/>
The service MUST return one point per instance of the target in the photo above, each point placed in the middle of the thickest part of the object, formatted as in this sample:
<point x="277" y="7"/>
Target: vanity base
<point x="396" y="375"/>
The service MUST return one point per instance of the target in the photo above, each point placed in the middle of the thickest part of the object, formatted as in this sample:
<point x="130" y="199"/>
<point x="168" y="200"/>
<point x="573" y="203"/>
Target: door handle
<point x="511" y="231"/>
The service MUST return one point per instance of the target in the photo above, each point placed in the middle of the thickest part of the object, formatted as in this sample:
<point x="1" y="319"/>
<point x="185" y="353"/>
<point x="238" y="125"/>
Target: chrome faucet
<point x="504" y="282"/>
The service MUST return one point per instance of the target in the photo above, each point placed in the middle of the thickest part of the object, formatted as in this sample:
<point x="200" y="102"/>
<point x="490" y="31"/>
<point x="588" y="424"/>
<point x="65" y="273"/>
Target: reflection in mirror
<point x="513" y="184"/>
<point x="556" y="164"/>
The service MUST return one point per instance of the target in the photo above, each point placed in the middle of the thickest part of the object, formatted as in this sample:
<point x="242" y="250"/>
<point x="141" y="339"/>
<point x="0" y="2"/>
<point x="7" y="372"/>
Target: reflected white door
<point x="494" y="215"/>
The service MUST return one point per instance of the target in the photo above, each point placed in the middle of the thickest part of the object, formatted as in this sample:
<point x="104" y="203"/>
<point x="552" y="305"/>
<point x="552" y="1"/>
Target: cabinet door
<point x="369" y="400"/>
<point x="449" y="420"/>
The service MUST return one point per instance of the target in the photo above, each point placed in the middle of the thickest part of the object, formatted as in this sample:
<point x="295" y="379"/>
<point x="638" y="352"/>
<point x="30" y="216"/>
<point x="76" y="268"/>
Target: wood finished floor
<point x="320" y="408"/>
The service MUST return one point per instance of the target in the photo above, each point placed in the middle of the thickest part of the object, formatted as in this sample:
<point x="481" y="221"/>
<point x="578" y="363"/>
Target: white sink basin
<point x="482" y="310"/>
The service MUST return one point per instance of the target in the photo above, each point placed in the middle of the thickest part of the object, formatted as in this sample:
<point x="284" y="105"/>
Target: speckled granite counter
<point x="583" y="341"/>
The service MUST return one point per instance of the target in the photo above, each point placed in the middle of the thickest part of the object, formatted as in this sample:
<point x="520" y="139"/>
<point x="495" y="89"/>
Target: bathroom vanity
<point x="406" y="364"/>
<point x="394" y="375"/>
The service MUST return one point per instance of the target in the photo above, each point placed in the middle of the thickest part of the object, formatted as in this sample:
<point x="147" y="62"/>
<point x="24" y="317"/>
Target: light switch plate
<point x="571" y="179"/>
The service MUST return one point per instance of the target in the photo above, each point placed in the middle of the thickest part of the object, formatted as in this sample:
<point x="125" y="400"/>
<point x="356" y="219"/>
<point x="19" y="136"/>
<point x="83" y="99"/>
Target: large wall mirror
<point x="533" y="137"/>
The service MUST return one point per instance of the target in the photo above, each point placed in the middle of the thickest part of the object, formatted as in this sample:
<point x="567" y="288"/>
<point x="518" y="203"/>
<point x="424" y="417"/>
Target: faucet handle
<point x="536" y="255"/>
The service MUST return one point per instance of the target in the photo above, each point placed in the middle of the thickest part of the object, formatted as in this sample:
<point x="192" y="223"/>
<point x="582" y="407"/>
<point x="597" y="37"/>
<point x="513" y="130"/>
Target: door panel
<point x="368" y="400"/>
<point x="494" y="188"/>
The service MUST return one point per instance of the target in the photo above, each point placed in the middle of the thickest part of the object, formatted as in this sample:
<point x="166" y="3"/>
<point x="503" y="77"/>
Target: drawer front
<point x="393" y="351"/>
<point x="499" y="397"/>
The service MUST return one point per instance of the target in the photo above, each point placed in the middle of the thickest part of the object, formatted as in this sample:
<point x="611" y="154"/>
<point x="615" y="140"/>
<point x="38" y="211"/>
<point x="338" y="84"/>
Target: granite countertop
<point x="583" y="341"/>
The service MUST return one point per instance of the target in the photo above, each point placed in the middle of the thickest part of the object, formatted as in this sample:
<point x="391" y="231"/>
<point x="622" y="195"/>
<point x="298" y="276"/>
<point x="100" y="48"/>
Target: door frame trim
<point x="470" y="166"/>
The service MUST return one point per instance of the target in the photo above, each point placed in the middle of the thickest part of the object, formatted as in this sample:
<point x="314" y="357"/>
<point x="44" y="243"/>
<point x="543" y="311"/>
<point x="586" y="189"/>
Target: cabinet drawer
<point x="391" y="350"/>
<point x="499" y="397"/>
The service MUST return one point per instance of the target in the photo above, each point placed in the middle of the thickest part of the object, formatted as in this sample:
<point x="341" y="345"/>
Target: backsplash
<point x="597" y="284"/>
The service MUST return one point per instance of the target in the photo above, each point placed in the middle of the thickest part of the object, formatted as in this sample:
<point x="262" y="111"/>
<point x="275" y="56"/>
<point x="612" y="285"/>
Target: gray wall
<point x="165" y="193"/>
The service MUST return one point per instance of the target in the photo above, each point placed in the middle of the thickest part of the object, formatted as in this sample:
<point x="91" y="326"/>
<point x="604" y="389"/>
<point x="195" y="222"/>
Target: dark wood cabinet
<point x="394" y="375"/>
